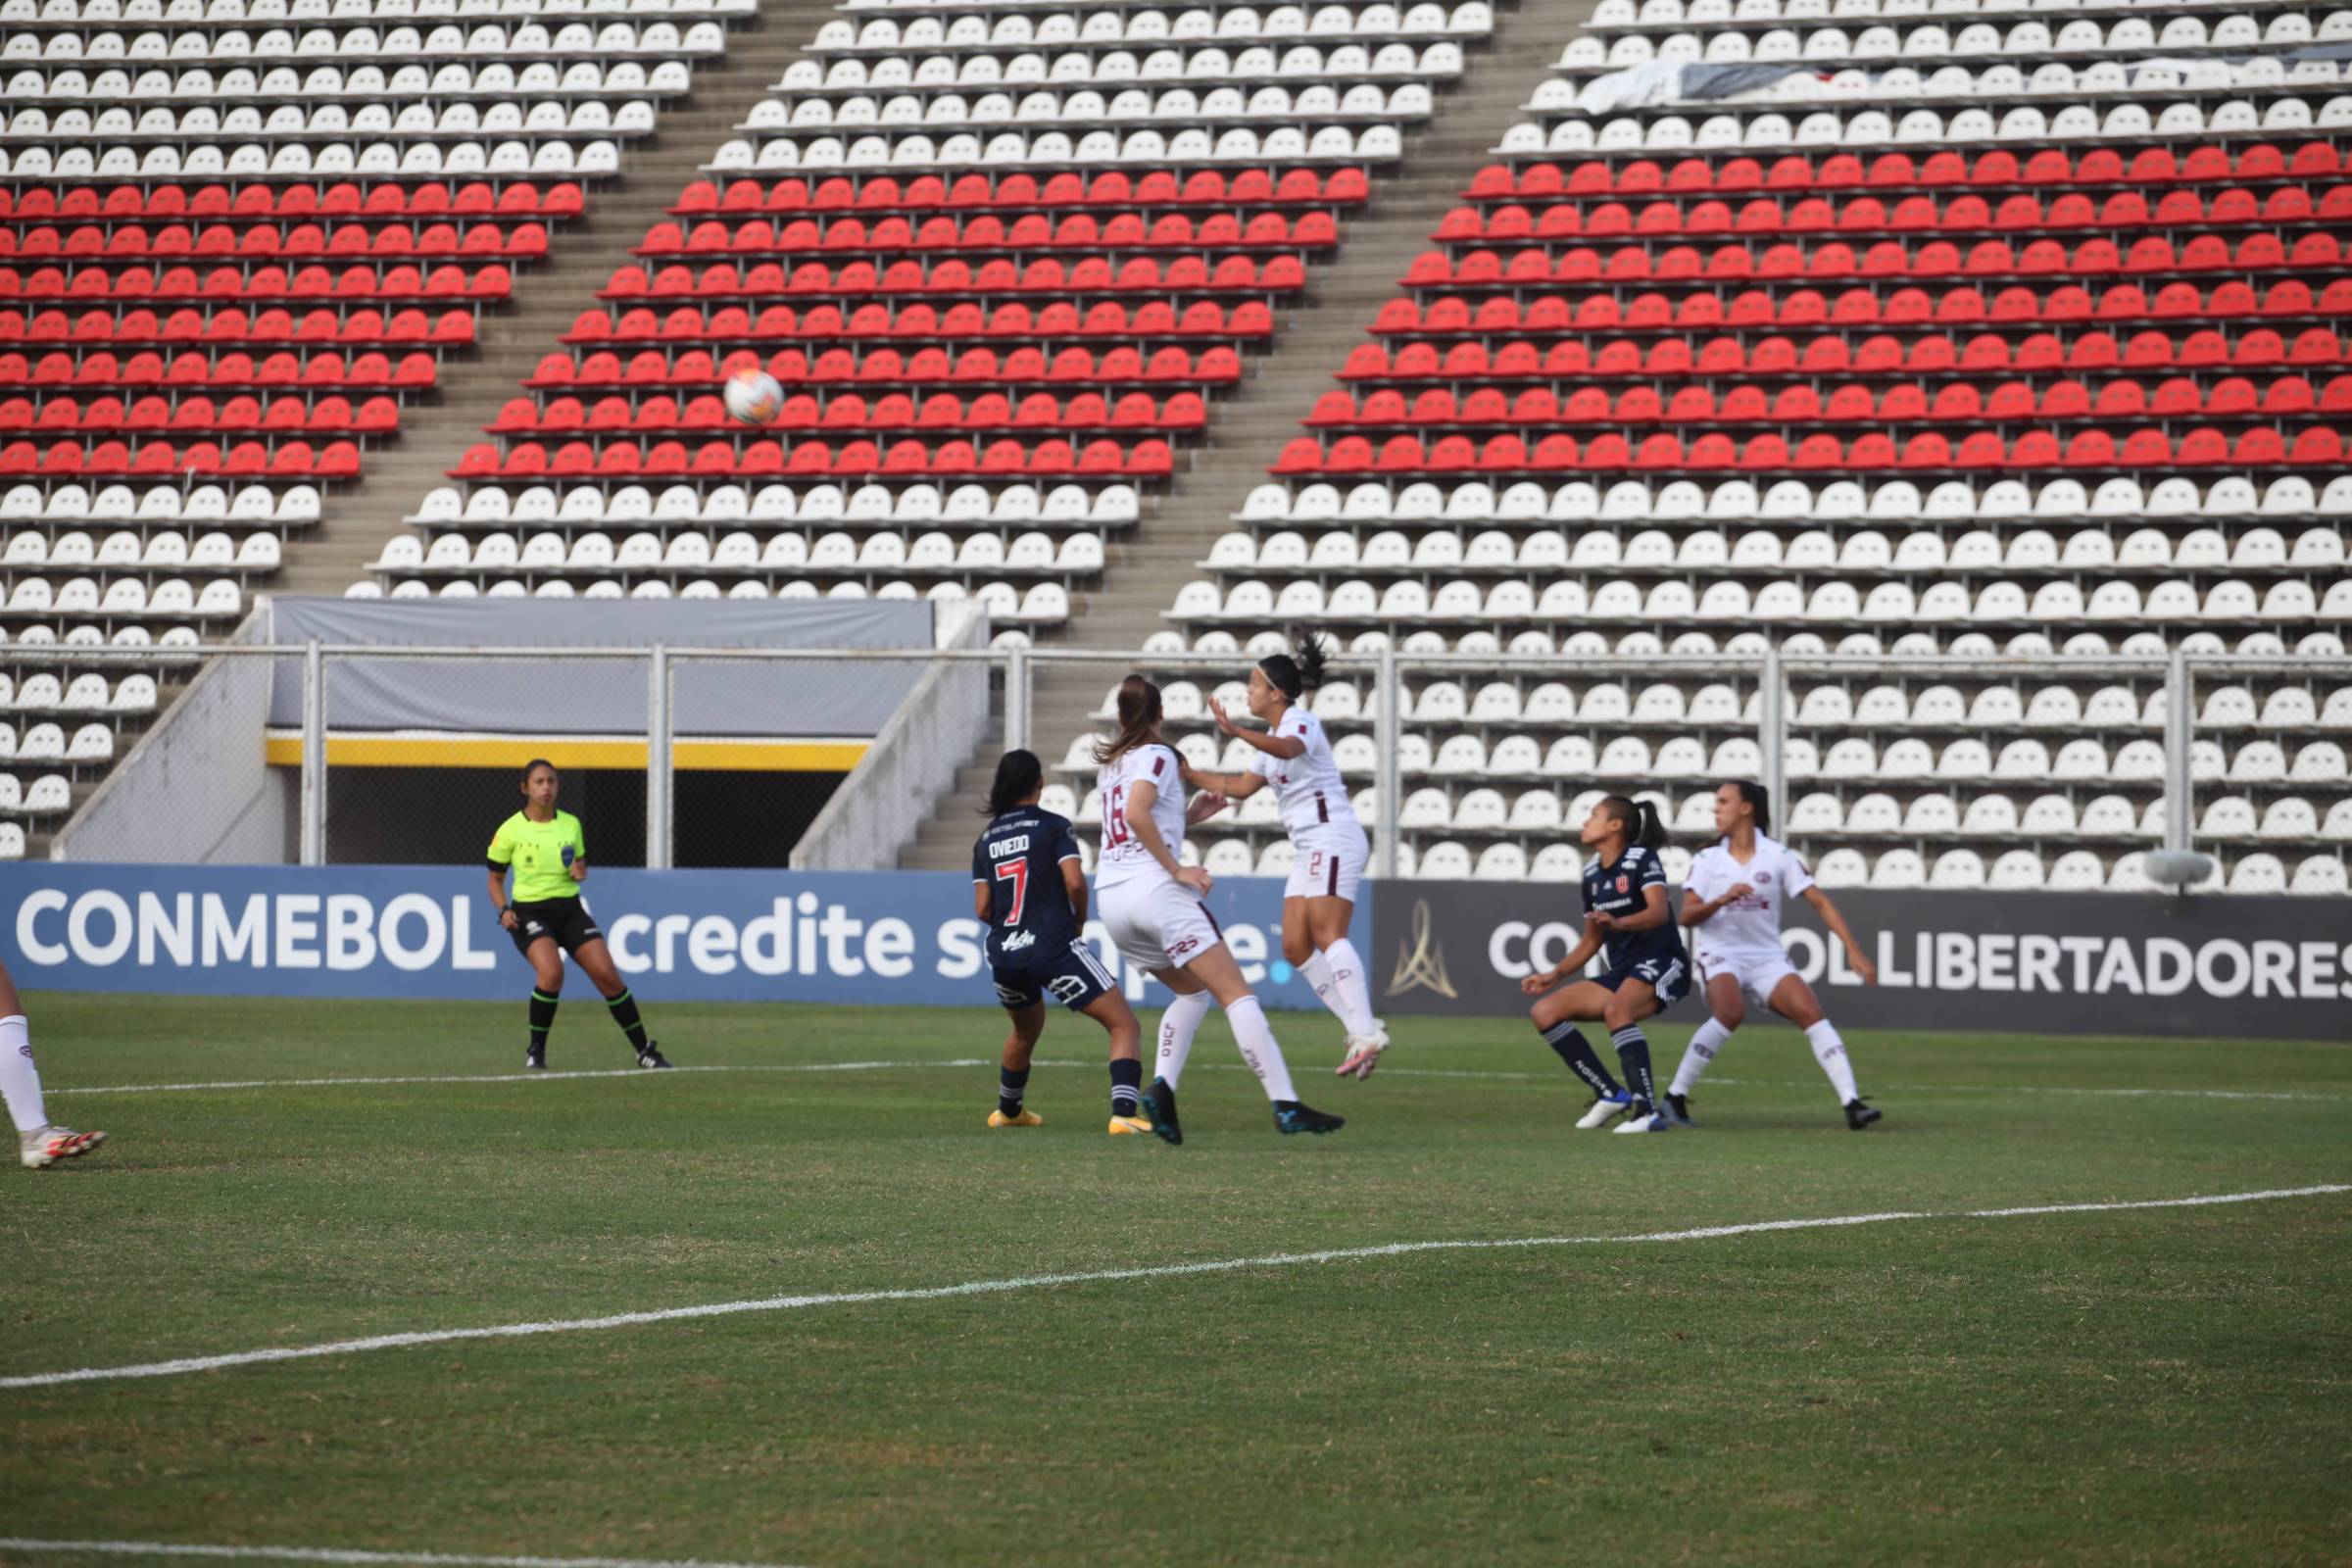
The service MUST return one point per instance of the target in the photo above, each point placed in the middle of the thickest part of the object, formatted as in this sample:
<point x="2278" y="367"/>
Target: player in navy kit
<point x="1627" y="920"/>
<point x="1029" y="886"/>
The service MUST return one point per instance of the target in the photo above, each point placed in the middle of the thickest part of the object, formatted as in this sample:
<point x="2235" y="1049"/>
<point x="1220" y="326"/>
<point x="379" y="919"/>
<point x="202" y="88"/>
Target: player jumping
<point x="1734" y="900"/>
<point x="1293" y="755"/>
<point x="1626" y="916"/>
<point x="39" y="1141"/>
<point x="549" y="856"/>
<point x="1152" y="905"/>
<point x="1029" y="887"/>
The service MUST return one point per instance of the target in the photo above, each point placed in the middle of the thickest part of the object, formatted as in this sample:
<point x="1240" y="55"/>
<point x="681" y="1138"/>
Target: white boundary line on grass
<point x="541" y="1076"/>
<point x="1032" y="1282"/>
<point x="332" y="1555"/>
<point x="962" y="1062"/>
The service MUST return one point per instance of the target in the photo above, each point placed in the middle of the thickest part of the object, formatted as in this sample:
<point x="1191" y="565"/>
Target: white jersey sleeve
<point x="1307" y="787"/>
<point x="1123" y="856"/>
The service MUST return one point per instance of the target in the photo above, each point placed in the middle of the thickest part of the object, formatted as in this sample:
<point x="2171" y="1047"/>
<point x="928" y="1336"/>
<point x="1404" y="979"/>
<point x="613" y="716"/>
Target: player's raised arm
<point x="1286" y="747"/>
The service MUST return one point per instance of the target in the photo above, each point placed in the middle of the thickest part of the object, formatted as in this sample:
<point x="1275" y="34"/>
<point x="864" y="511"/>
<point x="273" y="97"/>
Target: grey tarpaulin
<point x="568" y="697"/>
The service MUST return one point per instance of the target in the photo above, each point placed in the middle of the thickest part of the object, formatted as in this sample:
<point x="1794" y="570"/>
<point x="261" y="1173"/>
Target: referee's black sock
<point x="543" y="1017"/>
<point x="1126" y="1082"/>
<point x="624" y="1013"/>
<point x="1012" y="1083"/>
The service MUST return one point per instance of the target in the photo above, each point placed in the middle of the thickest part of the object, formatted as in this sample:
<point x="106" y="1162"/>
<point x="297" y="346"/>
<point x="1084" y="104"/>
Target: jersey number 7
<point x="1015" y="873"/>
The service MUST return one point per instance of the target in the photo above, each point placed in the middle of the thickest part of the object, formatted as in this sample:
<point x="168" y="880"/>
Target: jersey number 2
<point x="1015" y="873"/>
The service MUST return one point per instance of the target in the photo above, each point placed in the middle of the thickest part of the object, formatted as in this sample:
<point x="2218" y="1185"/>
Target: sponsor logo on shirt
<point x="1019" y="940"/>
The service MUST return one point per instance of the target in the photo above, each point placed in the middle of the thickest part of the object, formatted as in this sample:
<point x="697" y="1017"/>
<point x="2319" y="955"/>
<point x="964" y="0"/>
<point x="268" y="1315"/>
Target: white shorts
<point x="1330" y="861"/>
<point x="1157" y="924"/>
<point x="1757" y="972"/>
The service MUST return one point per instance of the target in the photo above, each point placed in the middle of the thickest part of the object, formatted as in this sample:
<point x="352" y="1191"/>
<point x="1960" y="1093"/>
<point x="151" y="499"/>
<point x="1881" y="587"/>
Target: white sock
<point x="1318" y="970"/>
<point x="1830" y="1051"/>
<point x="1177" y="1026"/>
<point x="1707" y="1040"/>
<point x="1256" y="1040"/>
<point x="1354" y="1004"/>
<point x="19" y="1079"/>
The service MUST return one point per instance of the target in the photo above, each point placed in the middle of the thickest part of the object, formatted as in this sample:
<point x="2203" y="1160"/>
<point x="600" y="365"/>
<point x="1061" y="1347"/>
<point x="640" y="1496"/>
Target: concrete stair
<point x="1247" y="428"/>
<point x="435" y="433"/>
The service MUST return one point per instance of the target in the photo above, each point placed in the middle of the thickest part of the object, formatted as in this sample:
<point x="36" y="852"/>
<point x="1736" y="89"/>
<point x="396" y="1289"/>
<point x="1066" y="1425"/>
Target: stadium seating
<point x="236" y="238"/>
<point x="997" y="321"/>
<point x="2012" y="331"/>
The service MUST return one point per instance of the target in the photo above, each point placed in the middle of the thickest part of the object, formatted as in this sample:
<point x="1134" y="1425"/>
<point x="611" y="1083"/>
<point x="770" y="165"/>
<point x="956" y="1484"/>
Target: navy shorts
<point x="1075" y="979"/>
<point x="1669" y="977"/>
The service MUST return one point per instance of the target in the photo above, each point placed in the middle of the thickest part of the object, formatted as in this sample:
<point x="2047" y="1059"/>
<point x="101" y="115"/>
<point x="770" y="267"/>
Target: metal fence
<point x="2245" y="736"/>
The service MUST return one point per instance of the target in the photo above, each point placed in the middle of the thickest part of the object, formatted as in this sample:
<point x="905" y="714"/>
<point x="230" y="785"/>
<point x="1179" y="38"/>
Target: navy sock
<point x="1581" y="1060"/>
<point x="1011" y="1084"/>
<point x="1633" y="1053"/>
<point x="624" y="1013"/>
<point x="543" y="1017"/>
<point x="1126" y="1078"/>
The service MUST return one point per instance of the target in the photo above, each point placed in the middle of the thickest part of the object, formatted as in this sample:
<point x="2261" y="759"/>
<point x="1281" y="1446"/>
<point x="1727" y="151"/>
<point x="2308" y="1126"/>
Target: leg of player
<point x="1635" y="1000"/>
<point x="39" y="1142"/>
<point x="1110" y="1010"/>
<point x="1336" y="972"/>
<point x="1726" y="1008"/>
<point x="1555" y="1016"/>
<point x="547" y="989"/>
<point x="1793" y="999"/>
<point x="596" y="962"/>
<point x="1027" y="1022"/>
<point x="1177" y="1026"/>
<point x="1214" y="969"/>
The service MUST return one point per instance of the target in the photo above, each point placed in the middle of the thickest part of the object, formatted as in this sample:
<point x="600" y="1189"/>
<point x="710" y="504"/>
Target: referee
<point x="543" y="849"/>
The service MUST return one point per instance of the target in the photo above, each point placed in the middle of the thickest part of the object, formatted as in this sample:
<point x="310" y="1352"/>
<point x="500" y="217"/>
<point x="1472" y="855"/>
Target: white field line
<point x="962" y="1062"/>
<point x="1033" y="1281"/>
<point x="542" y="1076"/>
<point x="333" y="1555"/>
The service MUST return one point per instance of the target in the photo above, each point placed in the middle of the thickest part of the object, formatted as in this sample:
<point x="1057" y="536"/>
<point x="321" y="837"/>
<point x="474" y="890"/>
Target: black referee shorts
<point x="567" y="920"/>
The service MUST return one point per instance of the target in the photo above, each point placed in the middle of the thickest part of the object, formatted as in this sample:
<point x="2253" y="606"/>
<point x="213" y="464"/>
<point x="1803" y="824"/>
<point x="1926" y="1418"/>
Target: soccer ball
<point x="754" y="397"/>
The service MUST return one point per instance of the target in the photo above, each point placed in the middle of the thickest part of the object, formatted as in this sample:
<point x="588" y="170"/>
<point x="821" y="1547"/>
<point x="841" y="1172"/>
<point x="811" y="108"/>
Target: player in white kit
<point x="1150" y="902"/>
<point x="40" y="1142"/>
<point x="1733" y="900"/>
<point x="1318" y="902"/>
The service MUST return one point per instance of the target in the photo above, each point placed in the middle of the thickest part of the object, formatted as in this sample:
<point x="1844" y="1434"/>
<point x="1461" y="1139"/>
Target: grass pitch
<point x="2165" y="1384"/>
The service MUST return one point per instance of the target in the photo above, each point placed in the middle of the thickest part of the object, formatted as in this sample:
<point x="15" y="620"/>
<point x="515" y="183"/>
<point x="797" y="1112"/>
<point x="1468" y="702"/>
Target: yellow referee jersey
<point x="535" y="850"/>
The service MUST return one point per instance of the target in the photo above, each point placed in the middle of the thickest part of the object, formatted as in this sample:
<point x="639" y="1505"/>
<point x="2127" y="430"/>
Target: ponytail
<point x="1018" y="774"/>
<point x="1139" y="717"/>
<point x="1639" y="821"/>
<point x="1294" y="673"/>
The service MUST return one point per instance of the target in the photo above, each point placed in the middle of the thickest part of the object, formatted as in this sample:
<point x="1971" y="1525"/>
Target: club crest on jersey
<point x="1763" y="877"/>
<point x="1624" y="883"/>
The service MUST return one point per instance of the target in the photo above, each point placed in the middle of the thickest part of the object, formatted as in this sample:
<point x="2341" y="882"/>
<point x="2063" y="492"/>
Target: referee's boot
<point x="650" y="1056"/>
<point x="535" y="1058"/>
